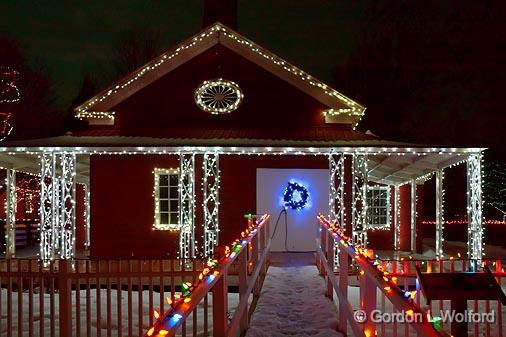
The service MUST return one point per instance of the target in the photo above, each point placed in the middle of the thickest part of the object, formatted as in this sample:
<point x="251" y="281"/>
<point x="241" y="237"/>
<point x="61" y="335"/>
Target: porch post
<point x="413" y="215"/>
<point x="336" y="193"/>
<point x="67" y="205"/>
<point x="211" y="203"/>
<point x="439" y="213"/>
<point x="87" y="210"/>
<point x="10" y="213"/>
<point x="48" y="196"/>
<point x="187" y="205"/>
<point x="57" y="206"/>
<point x="397" y="226"/>
<point x="474" y="208"/>
<point x="359" y="199"/>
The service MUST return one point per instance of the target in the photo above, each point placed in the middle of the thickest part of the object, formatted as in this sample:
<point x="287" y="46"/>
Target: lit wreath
<point x="295" y="196"/>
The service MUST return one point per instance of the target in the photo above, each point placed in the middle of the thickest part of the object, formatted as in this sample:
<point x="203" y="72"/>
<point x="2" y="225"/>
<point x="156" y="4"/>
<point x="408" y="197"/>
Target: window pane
<point x="164" y="192"/>
<point x="163" y="180"/>
<point x="174" y="206"/>
<point x="164" y="206"/>
<point x="173" y="218"/>
<point x="174" y="192"/>
<point x="174" y="180"/>
<point x="164" y="218"/>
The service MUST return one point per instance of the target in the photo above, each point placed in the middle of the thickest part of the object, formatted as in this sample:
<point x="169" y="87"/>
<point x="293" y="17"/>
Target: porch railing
<point x="249" y="257"/>
<point x="404" y="270"/>
<point x="118" y="297"/>
<point x="90" y="298"/>
<point x="372" y="278"/>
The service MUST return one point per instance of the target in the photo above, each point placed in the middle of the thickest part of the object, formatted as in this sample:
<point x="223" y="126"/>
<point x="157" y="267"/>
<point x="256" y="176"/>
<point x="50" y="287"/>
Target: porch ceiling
<point x="394" y="169"/>
<point x="30" y="163"/>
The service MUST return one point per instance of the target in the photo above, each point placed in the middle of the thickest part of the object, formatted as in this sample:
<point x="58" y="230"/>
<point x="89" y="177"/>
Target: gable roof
<point x="98" y="108"/>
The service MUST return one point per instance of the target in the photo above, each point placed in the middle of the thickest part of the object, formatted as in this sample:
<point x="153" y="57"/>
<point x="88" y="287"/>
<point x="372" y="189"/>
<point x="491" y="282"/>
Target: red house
<point x="216" y="127"/>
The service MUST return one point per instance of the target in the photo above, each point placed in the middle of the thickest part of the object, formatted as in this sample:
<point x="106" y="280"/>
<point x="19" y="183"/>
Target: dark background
<point x="428" y="71"/>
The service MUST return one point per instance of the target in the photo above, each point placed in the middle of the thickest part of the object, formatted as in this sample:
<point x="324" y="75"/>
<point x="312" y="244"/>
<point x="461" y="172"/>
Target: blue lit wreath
<point x="295" y="196"/>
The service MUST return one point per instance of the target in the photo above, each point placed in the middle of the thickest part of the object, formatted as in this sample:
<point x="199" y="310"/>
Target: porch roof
<point x="389" y="162"/>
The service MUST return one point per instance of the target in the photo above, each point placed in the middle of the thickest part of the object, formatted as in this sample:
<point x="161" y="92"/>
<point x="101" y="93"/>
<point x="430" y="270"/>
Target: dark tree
<point x="35" y="114"/>
<point x="87" y="90"/>
<point x="429" y="71"/>
<point x="494" y="185"/>
<point x="131" y="50"/>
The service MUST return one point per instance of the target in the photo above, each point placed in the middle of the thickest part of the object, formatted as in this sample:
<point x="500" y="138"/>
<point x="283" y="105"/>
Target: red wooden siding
<point x="80" y="217"/>
<point x="122" y="207"/>
<point x="169" y="101"/>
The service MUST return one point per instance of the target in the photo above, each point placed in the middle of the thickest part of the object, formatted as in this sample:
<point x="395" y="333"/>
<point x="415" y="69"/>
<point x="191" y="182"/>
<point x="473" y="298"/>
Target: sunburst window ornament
<point x="218" y="96"/>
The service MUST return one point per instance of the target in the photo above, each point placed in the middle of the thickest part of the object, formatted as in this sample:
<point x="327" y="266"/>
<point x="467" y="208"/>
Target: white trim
<point x="376" y="226"/>
<point x="157" y="216"/>
<point x="217" y="33"/>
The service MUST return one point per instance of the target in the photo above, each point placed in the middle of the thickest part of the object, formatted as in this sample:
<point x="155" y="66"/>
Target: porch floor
<point x="292" y="301"/>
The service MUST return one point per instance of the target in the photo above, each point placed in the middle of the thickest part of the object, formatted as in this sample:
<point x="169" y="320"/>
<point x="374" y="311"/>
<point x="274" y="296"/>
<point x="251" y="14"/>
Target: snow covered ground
<point x="293" y="303"/>
<point x="233" y="301"/>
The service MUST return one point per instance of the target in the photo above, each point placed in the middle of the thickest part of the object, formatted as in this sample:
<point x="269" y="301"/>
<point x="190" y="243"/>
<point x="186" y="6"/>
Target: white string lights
<point x="10" y="213"/>
<point x="217" y="32"/>
<point x="439" y="212"/>
<point x="378" y="208"/>
<point x="218" y="96"/>
<point x="337" y="152"/>
<point x="474" y="208"/>
<point x="359" y="199"/>
<point x="211" y="202"/>
<point x="397" y="213"/>
<point x="87" y="216"/>
<point x="57" y="206"/>
<point x="163" y="196"/>
<point x="336" y="192"/>
<point x="187" y="245"/>
<point x="413" y="215"/>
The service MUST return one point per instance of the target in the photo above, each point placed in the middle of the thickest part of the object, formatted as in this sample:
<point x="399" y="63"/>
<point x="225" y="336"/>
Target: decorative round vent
<point x="218" y="96"/>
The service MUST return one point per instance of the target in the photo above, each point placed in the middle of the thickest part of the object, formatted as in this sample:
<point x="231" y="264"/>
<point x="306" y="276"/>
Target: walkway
<point x="292" y="302"/>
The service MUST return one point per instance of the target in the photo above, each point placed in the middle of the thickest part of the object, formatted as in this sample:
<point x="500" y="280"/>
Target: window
<point x="166" y="199"/>
<point x="378" y="207"/>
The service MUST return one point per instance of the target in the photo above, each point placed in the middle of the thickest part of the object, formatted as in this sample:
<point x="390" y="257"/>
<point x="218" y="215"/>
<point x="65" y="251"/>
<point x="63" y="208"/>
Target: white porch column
<point x="211" y="202"/>
<point x="87" y="210"/>
<point x="10" y="213"/>
<point x="359" y="199"/>
<point x="187" y="205"/>
<point x="336" y="192"/>
<point x="439" y="213"/>
<point x="67" y="206"/>
<point x="474" y="208"/>
<point x="397" y="226"/>
<point x="57" y="206"/>
<point x="413" y="215"/>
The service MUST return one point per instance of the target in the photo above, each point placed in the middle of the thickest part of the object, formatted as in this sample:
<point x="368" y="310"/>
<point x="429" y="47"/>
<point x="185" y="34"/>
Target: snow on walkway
<point x="293" y="303"/>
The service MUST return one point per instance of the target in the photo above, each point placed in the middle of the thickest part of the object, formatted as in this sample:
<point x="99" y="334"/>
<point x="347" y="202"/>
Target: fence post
<point x="220" y="306"/>
<point x="330" y="262"/>
<point x="344" y="263"/>
<point x="243" y="286"/>
<point x="368" y="303"/>
<point x="65" y="298"/>
<point x="254" y="260"/>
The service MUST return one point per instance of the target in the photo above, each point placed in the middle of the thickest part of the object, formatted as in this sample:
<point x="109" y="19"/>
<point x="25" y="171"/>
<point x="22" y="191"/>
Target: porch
<point x="64" y="196"/>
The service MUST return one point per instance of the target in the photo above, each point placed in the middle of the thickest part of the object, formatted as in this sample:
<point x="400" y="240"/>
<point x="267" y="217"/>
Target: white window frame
<point x="158" y="225"/>
<point x="371" y="207"/>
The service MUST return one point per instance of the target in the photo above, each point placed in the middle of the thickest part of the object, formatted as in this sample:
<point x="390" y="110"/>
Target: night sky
<point x="430" y="72"/>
